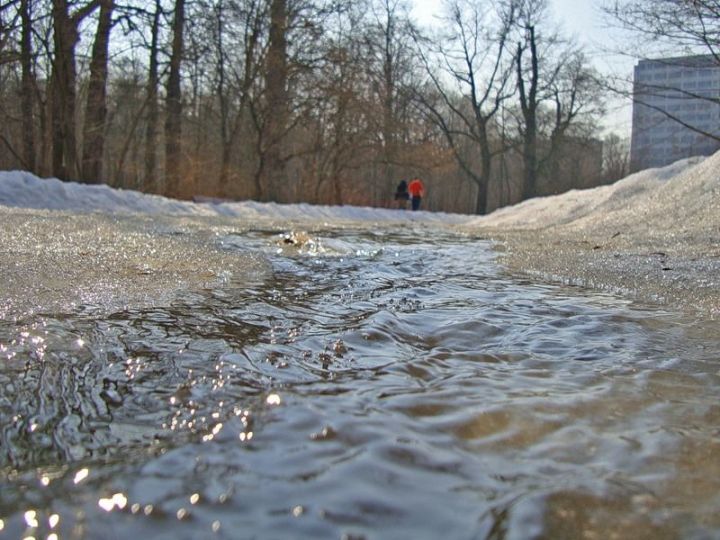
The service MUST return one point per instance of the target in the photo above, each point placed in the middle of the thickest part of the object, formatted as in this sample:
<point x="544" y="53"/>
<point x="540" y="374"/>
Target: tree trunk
<point x="225" y="138"/>
<point x="96" y="107"/>
<point x="481" y="201"/>
<point x="389" y="126"/>
<point x="276" y="75"/>
<point x="530" y="159"/>
<point x="173" y="120"/>
<point x="63" y="92"/>
<point x="150" y="181"/>
<point x="63" y="96"/>
<point x="529" y="105"/>
<point x="335" y="171"/>
<point x="28" y="88"/>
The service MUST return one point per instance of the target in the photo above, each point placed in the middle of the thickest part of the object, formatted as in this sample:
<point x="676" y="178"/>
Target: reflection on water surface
<point x="385" y="384"/>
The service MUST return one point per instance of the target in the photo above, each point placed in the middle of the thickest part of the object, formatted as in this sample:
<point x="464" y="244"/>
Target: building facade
<point x="676" y="110"/>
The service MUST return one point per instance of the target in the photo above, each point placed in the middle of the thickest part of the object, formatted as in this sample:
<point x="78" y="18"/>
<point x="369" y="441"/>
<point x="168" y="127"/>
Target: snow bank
<point x="25" y="190"/>
<point x="681" y="194"/>
<point x="623" y="197"/>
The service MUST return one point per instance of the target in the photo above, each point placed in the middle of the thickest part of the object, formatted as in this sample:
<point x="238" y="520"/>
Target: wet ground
<point x="354" y="382"/>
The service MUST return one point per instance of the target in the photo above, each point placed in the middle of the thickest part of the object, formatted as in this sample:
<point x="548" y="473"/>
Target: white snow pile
<point x="679" y="195"/>
<point x="685" y="194"/>
<point x="24" y="190"/>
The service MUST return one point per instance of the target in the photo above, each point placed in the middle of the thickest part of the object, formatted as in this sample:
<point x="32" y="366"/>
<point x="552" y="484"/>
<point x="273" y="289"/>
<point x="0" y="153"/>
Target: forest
<point x="317" y="101"/>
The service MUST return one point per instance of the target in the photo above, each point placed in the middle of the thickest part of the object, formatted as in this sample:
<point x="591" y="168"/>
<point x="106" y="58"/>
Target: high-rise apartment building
<point x="675" y="100"/>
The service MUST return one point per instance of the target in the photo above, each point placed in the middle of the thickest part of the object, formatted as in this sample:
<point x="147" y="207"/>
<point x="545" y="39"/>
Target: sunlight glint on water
<point x="381" y="384"/>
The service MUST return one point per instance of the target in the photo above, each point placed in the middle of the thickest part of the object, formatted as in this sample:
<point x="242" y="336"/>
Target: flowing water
<point x="377" y="384"/>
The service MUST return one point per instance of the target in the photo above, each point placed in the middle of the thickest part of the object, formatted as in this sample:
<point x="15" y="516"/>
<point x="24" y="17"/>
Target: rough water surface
<point x="353" y="382"/>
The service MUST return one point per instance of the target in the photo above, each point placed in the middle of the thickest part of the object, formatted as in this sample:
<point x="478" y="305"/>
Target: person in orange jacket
<point x="417" y="192"/>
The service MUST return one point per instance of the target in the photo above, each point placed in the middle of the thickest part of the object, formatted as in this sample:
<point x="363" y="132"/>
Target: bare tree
<point x="96" y="107"/>
<point x="473" y="54"/>
<point x="341" y="106"/>
<point x="173" y="106"/>
<point x="616" y="158"/>
<point x="8" y="19"/>
<point x="28" y="85"/>
<point x="689" y="25"/>
<point x="271" y="179"/>
<point x="575" y="101"/>
<point x="152" y="114"/>
<point x="528" y="81"/>
<point x="388" y="49"/>
<point x="238" y="51"/>
<point x="388" y="41"/>
<point x="65" y="38"/>
<point x="294" y="52"/>
<point x="284" y="100"/>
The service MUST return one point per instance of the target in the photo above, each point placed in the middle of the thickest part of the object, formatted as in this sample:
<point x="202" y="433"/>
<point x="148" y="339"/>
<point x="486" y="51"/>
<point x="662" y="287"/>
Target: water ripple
<point x="376" y="384"/>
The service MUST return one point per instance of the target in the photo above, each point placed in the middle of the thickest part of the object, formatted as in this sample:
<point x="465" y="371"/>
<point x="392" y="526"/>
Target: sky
<point x="582" y="18"/>
<point x="584" y="21"/>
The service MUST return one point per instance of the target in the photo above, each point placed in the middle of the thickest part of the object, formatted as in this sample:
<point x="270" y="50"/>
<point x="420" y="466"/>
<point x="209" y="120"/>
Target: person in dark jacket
<point x="401" y="195"/>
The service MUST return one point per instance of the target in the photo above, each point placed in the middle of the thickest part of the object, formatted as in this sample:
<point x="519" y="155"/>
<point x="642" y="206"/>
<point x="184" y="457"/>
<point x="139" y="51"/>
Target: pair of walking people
<point x="413" y="191"/>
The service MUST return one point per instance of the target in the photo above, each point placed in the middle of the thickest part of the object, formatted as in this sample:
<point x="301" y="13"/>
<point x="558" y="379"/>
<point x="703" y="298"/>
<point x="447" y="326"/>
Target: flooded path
<point x="376" y="384"/>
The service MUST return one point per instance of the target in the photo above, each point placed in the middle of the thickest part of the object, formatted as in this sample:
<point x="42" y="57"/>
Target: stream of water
<point x="379" y="384"/>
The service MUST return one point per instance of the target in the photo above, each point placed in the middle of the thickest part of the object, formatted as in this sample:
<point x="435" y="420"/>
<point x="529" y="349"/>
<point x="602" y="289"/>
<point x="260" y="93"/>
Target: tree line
<point x="320" y="101"/>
